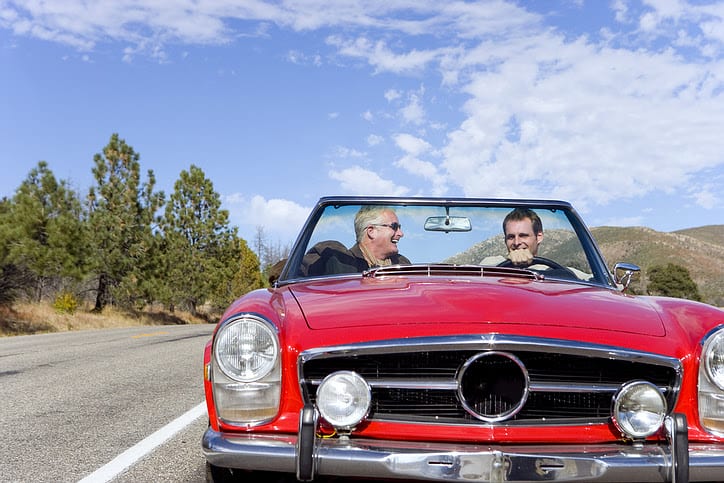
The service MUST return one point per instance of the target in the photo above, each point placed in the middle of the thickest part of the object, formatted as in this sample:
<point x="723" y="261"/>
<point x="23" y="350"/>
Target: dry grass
<point x="26" y="318"/>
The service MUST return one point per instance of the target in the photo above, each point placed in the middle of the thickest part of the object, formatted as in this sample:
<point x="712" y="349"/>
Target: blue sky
<point x="616" y="106"/>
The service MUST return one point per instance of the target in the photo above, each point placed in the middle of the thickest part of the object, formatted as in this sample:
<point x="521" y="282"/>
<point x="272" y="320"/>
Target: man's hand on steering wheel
<point x="521" y="257"/>
<point x="553" y="268"/>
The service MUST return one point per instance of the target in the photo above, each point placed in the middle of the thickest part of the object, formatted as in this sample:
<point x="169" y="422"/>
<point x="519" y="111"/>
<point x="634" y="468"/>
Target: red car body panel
<point x="479" y="302"/>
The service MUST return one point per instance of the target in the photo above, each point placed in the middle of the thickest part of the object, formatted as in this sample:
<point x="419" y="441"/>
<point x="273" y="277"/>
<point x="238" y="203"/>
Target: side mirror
<point x="623" y="274"/>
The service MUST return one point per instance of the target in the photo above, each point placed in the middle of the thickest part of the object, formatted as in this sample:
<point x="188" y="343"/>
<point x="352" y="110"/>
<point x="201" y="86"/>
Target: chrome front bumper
<point x="375" y="459"/>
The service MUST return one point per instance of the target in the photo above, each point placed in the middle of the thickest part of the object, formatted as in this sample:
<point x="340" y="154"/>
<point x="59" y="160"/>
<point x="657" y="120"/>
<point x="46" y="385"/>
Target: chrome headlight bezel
<point x="246" y="348"/>
<point x="246" y="370"/>
<point x="711" y="382"/>
<point x="713" y="357"/>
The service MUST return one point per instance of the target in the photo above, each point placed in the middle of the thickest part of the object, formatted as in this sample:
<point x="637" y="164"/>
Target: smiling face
<point x="519" y="235"/>
<point x="383" y="235"/>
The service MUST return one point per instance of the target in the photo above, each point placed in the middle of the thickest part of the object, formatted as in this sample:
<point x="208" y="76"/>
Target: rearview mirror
<point x="448" y="223"/>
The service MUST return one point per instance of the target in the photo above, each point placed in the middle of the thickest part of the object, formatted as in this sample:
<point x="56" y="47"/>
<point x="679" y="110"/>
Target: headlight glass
<point x="711" y="383"/>
<point x="343" y="399"/>
<point x="246" y="374"/>
<point x="246" y="349"/>
<point x="714" y="359"/>
<point x="639" y="409"/>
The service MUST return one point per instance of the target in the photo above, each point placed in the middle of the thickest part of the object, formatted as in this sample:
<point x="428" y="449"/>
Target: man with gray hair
<point x="377" y="232"/>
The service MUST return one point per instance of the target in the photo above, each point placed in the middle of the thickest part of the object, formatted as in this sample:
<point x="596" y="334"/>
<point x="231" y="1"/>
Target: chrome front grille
<point x="420" y="379"/>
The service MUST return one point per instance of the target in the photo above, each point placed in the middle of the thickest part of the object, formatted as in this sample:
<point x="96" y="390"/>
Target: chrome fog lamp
<point x="343" y="399"/>
<point x="639" y="409"/>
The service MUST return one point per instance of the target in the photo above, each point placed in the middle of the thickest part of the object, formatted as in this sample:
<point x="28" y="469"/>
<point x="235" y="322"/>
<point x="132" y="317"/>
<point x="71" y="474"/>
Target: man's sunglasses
<point x="395" y="226"/>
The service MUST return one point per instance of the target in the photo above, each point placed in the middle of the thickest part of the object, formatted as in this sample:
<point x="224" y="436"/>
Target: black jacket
<point x="331" y="257"/>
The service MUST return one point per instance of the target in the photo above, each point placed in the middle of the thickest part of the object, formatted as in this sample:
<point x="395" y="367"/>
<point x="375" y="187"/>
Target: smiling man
<point x="378" y="232"/>
<point x="523" y="231"/>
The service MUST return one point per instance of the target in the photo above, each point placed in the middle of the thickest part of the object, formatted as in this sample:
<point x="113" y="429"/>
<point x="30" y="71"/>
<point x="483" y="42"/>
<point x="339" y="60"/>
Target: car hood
<point x="369" y="302"/>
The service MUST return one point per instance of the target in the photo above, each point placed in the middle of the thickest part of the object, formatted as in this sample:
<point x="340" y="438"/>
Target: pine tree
<point x="202" y="250"/>
<point x="121" y="217"/>
<point x="248" y="275"/>
<point x="12" y="279"/>
<point x="43" y="230"/>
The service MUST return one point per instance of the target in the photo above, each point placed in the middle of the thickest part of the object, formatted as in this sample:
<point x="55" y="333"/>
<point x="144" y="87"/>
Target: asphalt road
<point x="115" y="405"/>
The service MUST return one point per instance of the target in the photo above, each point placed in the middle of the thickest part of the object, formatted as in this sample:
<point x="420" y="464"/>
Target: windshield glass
<point x="351" y="238"/>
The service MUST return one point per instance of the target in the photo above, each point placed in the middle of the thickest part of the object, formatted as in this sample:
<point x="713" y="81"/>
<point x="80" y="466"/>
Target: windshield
<point x="351" y="238"/>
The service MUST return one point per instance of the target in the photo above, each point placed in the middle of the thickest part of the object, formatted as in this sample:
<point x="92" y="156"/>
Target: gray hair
<point x="368" y="215"/>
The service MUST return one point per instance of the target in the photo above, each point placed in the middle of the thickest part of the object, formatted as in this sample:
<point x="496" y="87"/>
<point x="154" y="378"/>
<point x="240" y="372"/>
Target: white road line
<point x="126" y="459"/>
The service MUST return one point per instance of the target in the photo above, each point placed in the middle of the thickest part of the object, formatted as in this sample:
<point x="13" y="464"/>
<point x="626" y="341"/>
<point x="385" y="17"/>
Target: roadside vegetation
<point x="123" y="253"/>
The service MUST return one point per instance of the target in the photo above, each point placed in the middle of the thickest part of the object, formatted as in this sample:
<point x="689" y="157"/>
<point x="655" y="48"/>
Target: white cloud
<point x="299" y="57"/>
<point x="280" y="218"/>
<point x="620" y="9"/>
<point x="412" y="145"/>
<point x="344" y="152"/>
<point x="360" y="181"/>
<point x="381" y="57"/>
<point x="375" y="140"/>
<point x="392" y="95"/>
<point x="413" y="112"/>
<point x="705" y="196"/>
<point x="584" y="122"/>
<point x="413" y="163"/>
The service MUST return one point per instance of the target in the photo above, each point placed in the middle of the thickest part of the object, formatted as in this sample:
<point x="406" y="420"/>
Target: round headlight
<point x="246" y="349"/>
<point x="639" y="409"/>
<point x="343" y="399"/>
<point x="714" y="359"/>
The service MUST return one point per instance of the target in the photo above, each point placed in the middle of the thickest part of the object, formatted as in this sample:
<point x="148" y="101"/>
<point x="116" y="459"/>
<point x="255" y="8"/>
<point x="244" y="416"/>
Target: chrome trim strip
<point x="451" y="385"/>
<point x="487" y="342"/>
<point x="615" y="462"/>
<point x="441" y="384"/>
<point x="445" y="384"/>
<point x="570" y="388"/>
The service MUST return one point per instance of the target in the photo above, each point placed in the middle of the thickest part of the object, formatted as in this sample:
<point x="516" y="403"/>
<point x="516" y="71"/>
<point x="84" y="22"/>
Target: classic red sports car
<point x="461" y="340"/>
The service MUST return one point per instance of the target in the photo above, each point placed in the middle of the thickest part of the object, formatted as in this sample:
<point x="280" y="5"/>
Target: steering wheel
<point x="553" y="265"/>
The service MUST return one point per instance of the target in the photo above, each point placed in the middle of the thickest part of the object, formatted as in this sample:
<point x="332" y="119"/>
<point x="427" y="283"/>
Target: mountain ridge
<point x="698" y="249"/>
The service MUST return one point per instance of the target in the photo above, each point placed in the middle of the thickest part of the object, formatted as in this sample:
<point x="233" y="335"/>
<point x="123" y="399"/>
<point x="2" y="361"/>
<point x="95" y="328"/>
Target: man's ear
<point x="370" y="232"/>
<point x="539" y="237"/>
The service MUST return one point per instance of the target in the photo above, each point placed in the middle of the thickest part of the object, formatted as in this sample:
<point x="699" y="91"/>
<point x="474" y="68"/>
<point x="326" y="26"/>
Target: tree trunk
<point x="192" y="305"/>
<point x="102" y="294"/>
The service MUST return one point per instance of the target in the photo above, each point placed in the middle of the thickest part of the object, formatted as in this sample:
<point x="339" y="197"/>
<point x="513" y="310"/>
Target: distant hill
<point x="699" y="250"/>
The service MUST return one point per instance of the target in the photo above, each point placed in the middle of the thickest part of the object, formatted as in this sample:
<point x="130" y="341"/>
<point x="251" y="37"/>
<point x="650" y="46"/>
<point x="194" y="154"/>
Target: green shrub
<point x="65" y="303"/>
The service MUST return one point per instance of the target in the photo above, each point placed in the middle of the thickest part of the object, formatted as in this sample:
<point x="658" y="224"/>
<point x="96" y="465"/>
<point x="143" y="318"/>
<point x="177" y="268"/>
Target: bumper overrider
<point x="308" y="456"/>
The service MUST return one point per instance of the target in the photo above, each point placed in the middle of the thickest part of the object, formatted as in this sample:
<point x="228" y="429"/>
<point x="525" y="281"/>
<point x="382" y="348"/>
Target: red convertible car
<point x="461" y="340"/>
